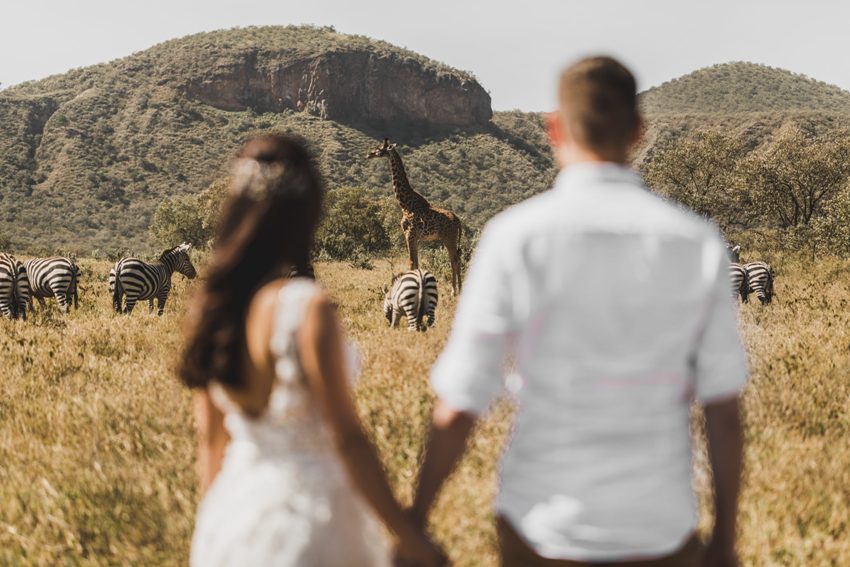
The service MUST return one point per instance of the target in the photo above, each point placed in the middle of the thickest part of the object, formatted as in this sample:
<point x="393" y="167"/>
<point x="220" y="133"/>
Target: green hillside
<point x="85" y="157"/>
<point x="752" y="102"/>
<point x="744" y="87"/>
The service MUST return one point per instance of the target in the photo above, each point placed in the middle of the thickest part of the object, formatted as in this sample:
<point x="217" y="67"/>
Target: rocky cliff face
<point x="355" y="87"/>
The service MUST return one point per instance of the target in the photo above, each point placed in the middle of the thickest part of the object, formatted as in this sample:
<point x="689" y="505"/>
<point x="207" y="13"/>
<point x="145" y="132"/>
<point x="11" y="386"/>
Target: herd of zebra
<point x="412" y="294"/>
<point x="130" y="280"/>
<point x="39" y="278"/>
<point x="750" y="278"/>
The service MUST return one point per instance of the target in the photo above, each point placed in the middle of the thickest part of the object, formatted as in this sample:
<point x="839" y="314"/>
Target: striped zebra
<point x="734" y="253"/>
<point x="760" y="280"/>
<point x="54" y="277"/>
<point x="134" y="279"/>
<point x="413" y="294"/>
<point x="308" y="272"/>
<point x="14" y="288"/>
<point x="740" y="282"/>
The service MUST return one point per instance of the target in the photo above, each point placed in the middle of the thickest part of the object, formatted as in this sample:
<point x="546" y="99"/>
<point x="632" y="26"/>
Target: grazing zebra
<point x="740" y="282"/>
<point x="137" y="280"/>
<point x="734" y="253"/>
<point x="14" y="288"/>
<point x="54" y="277"/>
<point x="413" y="294"/>
<point x="760" y="280"/>
<point x="307" y="272"/>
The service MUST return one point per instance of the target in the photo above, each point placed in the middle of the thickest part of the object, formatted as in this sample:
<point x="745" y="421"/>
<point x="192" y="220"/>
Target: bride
<point x="287" y="474"/>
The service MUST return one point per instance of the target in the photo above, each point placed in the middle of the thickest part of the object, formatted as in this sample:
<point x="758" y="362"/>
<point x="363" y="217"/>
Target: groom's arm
<point x="446" y="443"/>
<point x="469" y="373"/>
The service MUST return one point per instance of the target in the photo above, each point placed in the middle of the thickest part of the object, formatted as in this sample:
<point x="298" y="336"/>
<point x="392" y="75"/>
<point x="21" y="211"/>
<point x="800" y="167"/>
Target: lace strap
<point x="221" y="399"/>
<point x="292" y="302"/>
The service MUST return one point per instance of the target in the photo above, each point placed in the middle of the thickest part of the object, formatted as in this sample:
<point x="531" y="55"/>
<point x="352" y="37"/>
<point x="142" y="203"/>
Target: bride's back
<point x="275" y="409"/>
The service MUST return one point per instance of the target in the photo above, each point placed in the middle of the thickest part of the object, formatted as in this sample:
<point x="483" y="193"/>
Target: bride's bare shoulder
<point x="264" y="300"/>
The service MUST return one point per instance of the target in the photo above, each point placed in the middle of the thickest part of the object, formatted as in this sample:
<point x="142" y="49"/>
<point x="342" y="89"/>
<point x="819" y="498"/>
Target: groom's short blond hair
<point x="598" y="100"/>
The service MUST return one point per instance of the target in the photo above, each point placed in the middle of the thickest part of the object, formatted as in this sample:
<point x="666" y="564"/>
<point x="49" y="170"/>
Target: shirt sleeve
<point x="470" y="372"/>
<point x="721" y="360"/>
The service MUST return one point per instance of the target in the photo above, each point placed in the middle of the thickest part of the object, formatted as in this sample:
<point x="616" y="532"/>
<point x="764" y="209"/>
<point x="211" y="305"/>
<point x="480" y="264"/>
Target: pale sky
<point x="514" y="47"/>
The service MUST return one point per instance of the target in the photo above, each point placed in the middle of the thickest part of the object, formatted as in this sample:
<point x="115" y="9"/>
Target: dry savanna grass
<point x="97" y="447"/>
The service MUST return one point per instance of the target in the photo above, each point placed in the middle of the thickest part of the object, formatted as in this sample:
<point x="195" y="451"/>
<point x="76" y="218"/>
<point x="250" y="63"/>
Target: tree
<point x="795" y="177"/>
<point x="831" y="230"/>
<point x="210" y="204"/>
<point x="699" y="171"/>
<point x="178" y="220"/>
<point x="353" y="225"/>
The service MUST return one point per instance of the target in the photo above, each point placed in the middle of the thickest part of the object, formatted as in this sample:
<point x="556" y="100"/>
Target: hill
<point x="733" y="88"/>
<point x="750" y="101"/>
<point x="86" y="156"/>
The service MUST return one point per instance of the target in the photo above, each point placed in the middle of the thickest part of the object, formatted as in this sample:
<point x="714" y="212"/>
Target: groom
<point x="613" y="308"/>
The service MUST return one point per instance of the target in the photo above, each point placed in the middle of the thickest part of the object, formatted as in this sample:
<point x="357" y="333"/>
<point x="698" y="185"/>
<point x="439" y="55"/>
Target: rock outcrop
<point x="355" y="87"/>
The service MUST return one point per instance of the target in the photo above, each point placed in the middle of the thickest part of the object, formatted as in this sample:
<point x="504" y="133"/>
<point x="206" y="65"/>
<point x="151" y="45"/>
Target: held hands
<point x="418" y="550"/>
<point x="718" y="554"/>
<point x="421" y="554"/>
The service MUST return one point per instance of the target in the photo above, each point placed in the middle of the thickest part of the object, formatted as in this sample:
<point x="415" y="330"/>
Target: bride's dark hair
<point x="267" y="226"/>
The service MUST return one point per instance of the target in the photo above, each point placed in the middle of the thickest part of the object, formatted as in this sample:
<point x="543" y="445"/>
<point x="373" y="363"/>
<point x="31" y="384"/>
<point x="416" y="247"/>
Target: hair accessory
<point x="257" y="180"/>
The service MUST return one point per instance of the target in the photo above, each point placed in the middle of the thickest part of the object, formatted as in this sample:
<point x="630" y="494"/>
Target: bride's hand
<point x="419" y="551"/>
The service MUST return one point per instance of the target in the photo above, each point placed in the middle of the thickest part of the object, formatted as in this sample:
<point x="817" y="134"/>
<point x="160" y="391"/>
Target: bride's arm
<point x="323" y="361"/>
<point x="212" y="437"/>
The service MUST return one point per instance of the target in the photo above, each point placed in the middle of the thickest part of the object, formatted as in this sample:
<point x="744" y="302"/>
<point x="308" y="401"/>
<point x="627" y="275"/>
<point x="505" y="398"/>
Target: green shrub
<point x="179" y="220"/>
<point x="353" y="226"/>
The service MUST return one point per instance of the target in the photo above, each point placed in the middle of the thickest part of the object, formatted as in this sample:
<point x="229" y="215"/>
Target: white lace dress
<point x="282" y="497"/>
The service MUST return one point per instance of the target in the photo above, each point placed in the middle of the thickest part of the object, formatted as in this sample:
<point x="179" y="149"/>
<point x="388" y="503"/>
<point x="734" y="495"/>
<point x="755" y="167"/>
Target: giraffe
<point x="419" y="220"/>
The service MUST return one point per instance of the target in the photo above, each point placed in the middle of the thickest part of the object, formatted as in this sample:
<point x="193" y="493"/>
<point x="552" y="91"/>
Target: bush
<point x="794" y="179"/>
<point x="699" y="171"/>
<point x="353" y="226"/>
<point x="831" y="231"/>
<point x="210" y="203"/>
<point x="179" y="220"/>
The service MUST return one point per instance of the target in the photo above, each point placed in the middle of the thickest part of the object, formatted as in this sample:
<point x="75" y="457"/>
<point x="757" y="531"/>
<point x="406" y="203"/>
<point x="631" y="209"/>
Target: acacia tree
<point x="210" y="204"/>
<point x="795" y="177"/>
<point x="191" y="218"/>
<point x="177" y="220"/>
<point x="699" y="171"/>
<point x="353" y="225"/>
<point x="830" y="231"/>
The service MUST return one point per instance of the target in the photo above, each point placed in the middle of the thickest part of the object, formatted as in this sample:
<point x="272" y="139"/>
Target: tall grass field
<point x="97" y="442"/>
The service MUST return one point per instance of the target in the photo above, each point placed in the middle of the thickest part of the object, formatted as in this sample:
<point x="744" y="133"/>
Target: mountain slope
<point x="750" y="101"/>
<point x="743" y="87"/>
<point x="85" y="157"/>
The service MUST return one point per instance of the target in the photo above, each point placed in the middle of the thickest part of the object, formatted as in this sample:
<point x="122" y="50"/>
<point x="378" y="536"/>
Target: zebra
<point x="14" y="288"/>
<point x="734" y="253"/>
<point x="740" y="282"/>
<point x="307" y="272"/>
<point x="54" y="277"/>
<point x="413" y="294"/>
<point x="760" y="280"/>
<point x="137" y="280"/>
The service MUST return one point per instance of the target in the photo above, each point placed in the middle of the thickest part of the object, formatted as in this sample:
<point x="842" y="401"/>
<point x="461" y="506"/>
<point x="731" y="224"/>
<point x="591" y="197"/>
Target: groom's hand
<point x="421" y="552"/>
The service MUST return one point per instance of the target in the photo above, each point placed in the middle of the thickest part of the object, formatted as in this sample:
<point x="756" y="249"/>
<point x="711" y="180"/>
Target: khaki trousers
<point x="517" y="553"/>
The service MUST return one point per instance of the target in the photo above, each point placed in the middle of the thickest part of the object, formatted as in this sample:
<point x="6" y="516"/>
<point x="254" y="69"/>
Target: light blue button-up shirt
<point x="613" y="306"/>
